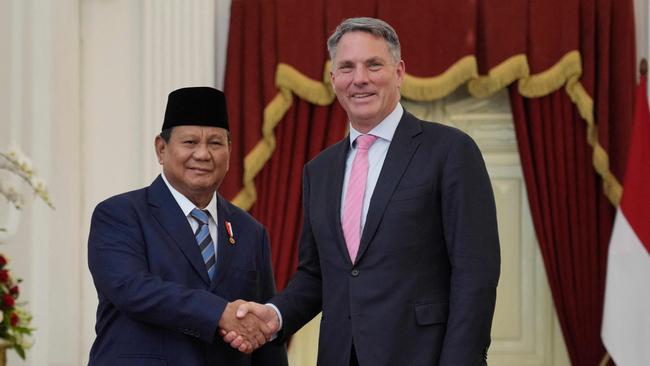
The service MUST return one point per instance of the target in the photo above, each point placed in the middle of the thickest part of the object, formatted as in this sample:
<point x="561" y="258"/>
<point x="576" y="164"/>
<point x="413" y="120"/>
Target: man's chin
<point x="202" y="184"/>
<point x="369" y="119"/>
<point x="363" y="107"/>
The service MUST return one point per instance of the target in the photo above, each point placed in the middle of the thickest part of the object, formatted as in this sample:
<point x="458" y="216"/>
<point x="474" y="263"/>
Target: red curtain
<point x="570" y="67"/>
<point x="263" y="34"/>
<point x="303" y="133"/>
<point x="571" y="215"/>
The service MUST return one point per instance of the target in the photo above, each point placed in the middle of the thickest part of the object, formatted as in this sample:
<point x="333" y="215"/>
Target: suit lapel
<point x="404" y="144"/>
<point x="334" y="199"/>
<point x="170" y="217"/>
<point x="225" y="249"/>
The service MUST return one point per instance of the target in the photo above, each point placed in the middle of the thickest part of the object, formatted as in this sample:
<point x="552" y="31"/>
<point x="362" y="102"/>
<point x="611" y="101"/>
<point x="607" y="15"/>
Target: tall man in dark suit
<point x="399" y="246"/>
<point x="169" y="260"/>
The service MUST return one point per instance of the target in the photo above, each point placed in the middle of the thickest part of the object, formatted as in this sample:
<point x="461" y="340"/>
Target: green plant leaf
<point x="20" y="351"/>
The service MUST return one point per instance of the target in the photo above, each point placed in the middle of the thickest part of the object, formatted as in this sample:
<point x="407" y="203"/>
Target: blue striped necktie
<point x="204" y="240"/>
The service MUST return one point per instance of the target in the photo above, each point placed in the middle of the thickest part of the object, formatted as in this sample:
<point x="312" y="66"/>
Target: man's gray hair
<point x="373" y="26"/>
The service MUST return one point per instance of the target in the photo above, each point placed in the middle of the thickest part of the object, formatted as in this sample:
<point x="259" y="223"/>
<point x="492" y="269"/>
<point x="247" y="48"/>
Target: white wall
<point x="223" y="24"/>
<point x="641" y="16"/>
<point x="41" y="113"/>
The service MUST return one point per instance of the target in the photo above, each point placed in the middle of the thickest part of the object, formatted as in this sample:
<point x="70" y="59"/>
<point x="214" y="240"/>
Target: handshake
<point x="247" y="326"/>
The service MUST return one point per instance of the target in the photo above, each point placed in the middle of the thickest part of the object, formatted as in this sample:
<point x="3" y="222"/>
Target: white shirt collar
<point x="385" y="129"/>
<point x="187" y="206"/>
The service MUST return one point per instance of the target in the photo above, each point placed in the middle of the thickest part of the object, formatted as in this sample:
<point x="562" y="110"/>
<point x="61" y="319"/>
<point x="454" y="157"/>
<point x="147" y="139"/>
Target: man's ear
<point x="160" y="145"/>
<point x="401" y="71"/>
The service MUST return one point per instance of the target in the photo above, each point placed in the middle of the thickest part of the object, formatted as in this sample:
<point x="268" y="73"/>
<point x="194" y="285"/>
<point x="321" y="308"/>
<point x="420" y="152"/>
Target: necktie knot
<point x="200" y="215"/>
<point x="365" y="141"/>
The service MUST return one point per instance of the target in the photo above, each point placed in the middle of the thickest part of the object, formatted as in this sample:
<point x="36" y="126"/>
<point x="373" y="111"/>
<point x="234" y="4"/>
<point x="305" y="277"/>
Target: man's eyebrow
<point x="186" y="135"/>
<point x="376" y="59"/>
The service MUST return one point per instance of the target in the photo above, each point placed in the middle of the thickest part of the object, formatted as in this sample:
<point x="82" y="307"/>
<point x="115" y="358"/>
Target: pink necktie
<point x="354" y="196"/>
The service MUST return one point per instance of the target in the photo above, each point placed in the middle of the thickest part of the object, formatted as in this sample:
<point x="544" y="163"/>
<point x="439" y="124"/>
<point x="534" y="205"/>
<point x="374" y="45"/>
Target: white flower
<point x="14" y="161"/>
<point x="21" y="160"/>
<point x="12" y="195"/>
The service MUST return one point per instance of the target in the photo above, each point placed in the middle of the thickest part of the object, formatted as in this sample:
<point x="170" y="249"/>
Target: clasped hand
<point x="246" y="326"/>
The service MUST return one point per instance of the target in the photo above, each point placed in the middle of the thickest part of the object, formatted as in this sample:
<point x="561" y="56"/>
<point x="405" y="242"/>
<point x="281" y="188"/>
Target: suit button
<point x="355" y="272"/>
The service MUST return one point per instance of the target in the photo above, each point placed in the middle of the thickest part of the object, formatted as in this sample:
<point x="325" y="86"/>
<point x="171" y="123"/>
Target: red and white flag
<point x="626" y="317"/>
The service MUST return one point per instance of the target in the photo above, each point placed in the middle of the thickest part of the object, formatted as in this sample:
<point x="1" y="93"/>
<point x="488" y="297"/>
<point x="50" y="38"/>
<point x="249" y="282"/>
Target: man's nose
<point x="201" y="151"/>
<point x="360" y="75"/>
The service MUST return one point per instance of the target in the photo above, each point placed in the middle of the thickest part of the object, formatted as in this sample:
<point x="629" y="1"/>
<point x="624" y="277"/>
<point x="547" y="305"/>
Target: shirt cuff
<point x="277" y="311"/>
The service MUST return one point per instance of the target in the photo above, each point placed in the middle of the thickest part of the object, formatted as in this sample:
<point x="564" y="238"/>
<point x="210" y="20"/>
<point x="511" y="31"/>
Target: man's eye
<point x="374" y="67"/>
<point x="216" y="142"/>
<point x="189" y="142"/>
<point x="345" y="69"/>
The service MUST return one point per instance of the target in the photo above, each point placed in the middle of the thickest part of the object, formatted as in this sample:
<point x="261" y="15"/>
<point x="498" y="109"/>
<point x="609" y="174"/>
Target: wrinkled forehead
<point x="199" y="131"/>
<point x="362" y="46"/>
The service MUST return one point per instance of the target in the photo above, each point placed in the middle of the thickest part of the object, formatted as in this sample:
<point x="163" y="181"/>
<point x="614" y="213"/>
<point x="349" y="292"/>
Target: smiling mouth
<point x="361" y="95"/>
<point x="200" y="170"/>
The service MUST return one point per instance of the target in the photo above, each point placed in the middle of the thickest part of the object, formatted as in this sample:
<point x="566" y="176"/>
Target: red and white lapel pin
<point x="231" y="238"/>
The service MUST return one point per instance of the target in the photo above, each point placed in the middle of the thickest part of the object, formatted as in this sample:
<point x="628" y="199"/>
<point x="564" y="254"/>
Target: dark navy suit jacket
<point x="423" y="288"/>
<point x="157" y="305"/>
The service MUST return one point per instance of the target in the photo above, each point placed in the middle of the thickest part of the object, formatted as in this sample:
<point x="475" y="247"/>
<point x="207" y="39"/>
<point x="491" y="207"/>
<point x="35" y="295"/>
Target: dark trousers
<point x="353" y="357"/>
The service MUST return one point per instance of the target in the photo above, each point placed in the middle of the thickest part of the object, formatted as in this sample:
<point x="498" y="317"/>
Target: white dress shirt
<point x="187" y="206"/>
<point x="376" y="156"/>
